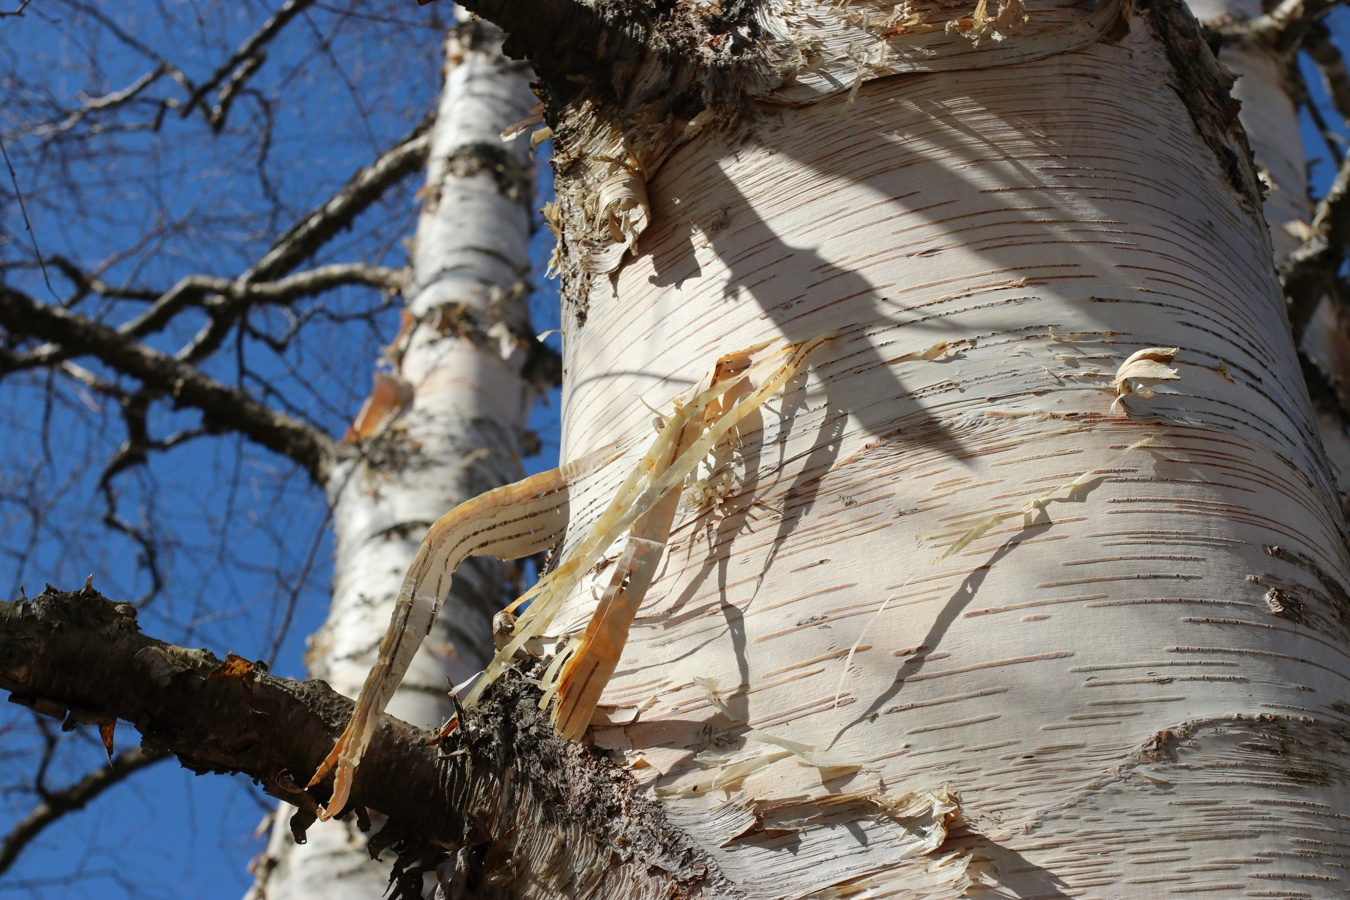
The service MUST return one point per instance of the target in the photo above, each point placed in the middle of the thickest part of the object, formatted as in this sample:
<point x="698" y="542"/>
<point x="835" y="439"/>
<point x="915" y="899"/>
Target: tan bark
<point x="1114" y="627"/>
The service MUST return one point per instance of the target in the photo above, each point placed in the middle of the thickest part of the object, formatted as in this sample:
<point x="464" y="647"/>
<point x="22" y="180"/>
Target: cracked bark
<point x="557" y="814"/>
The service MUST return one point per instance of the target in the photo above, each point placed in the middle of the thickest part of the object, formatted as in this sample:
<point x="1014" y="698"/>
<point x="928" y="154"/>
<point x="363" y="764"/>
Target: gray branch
<point x="222" y="406"/>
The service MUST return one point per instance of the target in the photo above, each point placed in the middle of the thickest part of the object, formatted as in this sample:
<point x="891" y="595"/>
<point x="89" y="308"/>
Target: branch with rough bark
<point x="501" y="801"/>
<point x="303" y="239"/>
<point x="68" y="335"/>
<point x="267" y="281"/>
<point x="231" y="75"/>
<point x="221" y="297"/>
<point x="1309" y="272"/>
<point x="1284" y="27"/>
<point x="366" y="186"/>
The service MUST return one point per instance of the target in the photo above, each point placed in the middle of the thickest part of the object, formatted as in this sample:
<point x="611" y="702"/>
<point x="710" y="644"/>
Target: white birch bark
<point x="454" y="432"/>
<point x="1137" y="688"/>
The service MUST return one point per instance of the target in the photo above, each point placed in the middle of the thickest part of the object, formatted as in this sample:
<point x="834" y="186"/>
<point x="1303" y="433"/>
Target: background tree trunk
<point x="444" y="424"/>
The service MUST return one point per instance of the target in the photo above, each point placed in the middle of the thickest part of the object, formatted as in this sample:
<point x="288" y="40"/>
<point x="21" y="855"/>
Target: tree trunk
<point x="445" y="424"/>
<point x="1099" y="613"/>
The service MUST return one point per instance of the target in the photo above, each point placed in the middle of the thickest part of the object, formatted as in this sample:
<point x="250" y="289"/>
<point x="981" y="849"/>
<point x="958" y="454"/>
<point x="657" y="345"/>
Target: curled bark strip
<point x="526" y="517"/>
<point x="510" y="522"/>
<point x="657" y="479"/>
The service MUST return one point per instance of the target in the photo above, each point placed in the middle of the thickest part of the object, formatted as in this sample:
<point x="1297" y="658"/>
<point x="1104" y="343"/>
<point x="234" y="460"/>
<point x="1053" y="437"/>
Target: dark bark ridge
<point x="620" y="84"/>
<point x="547" y="817"/>
<point x="1205" y="86"/>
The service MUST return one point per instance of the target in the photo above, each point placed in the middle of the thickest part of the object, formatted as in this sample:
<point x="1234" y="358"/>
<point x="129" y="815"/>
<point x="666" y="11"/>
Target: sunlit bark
<point x="1131" y="666"/>
<point x="1270" y="116"/>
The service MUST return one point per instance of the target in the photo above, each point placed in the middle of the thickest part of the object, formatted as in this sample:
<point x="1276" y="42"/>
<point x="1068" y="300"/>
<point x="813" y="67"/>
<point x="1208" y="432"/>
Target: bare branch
<point x="1308" y="272"/>
<point x="1331" y="64"/>
<point x="23" y="210"/>
<point x="231" y="297"/>
<point x="245" y="60"/>
<point x="98" y="104"/>
<point x="17" y="11"/>
<point x="56" y="804"/>
<point x="502" y="779"/>
<point x="221" y="296"/>
<point x="94" y="11"/>
<point x="1282" y="29"/>
<point x="223" y="407"/>
<point x="303" y="239"/>
<point x="362" y="190"/>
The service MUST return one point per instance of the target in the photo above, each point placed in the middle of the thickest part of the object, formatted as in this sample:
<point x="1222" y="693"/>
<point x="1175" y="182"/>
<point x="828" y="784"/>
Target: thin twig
<point x="222" y="406"/>
<point x="56" y="804"/>
<point x="9" y="14"/>
<point x="293" y="595"/>
<point x="97" y="104"/>
<point x="241" y="65"/>
<point x="27" y="225"/>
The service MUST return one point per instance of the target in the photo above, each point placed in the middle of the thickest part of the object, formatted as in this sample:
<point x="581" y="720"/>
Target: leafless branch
<point x="97" y="104"/>
<point x="1330" y="139"/>
<point x="16" y="12"/>
<point x="314" y="230"/>
<point x="222" y="406"/>
<point x="1331" y="64"/>
<point x="23" y="210"/>
<point x="55" y="804"/>
<point x="1283" y="28"/>
<point x="222" y="297"/>
<point x="230" y="76"/>
<point x="226" y="306"/>
<point x="1307" y="274"/>
<point x="95" y="12"/>
<point x="364" y="188"/>
<point x="1280" y="31"/>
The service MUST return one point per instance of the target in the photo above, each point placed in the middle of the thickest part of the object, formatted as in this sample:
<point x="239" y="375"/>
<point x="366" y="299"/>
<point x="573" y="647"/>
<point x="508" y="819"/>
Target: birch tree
<point x="1045" y="543"/>
<point x="1031" y="581"/>
<point x="445" y="420"/>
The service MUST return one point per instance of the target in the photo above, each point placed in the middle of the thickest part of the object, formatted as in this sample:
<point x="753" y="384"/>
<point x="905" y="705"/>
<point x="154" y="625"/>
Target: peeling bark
<point x="972" y="577"/>
<point x="444" y="424"/>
